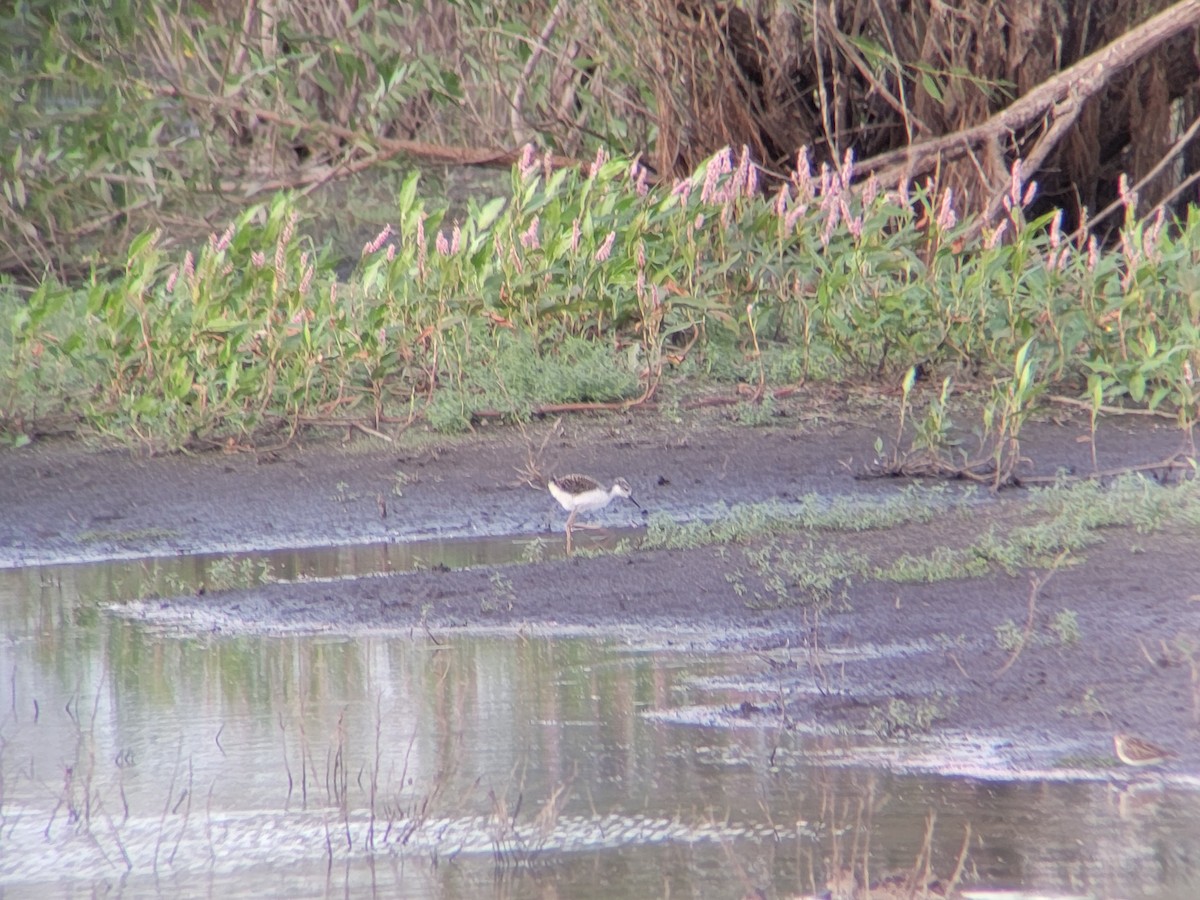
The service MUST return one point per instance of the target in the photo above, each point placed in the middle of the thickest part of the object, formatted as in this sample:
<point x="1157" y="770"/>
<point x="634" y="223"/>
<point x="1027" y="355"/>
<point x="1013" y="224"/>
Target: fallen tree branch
<point x="447" y="154"/>
<point x="1061" y="96"/>
<point x="1110" y="410"/>
<point x="1179" y="461"/>
<point x="517" y="123"/>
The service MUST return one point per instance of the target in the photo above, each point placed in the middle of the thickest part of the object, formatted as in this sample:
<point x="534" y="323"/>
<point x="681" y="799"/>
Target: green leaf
<point x="1096" y="390"/>
<point x="452" y="84"/>
<point x="1137" y="386"/>
<point x="1158" y="396"/>
<point x="931" y="87"/>
<point x="487" y="215"/>
<point x="408" y="192"/>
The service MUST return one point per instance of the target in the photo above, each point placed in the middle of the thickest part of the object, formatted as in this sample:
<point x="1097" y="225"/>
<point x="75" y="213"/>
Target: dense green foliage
<point x="592" y="288"/>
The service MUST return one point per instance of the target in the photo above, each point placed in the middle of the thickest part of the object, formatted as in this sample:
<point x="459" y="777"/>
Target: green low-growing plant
<point x="228" y="573"/>
<point x="901" y="718"/>
<point x="132" y="536"/>
<point x="1065" y="626"/>
<point x="800" y="576"/>
<point x="1089" y="705"/>
<point x="743" y="522"/>
<point x="1009" y="636"/>
<point x="941" y="564"/>
<point x="503" y="594"/>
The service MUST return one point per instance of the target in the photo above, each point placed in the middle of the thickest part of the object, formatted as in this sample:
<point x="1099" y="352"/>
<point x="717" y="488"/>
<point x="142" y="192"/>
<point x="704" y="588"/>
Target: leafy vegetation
<point x="789" y="561"/>
<point x="593" y="286"/>
<point x="901" y="718"/>
<point x="589" y="289"/>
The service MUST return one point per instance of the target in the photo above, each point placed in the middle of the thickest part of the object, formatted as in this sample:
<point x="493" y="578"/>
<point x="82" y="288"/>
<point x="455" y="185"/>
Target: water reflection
<point x="136" y="762"/>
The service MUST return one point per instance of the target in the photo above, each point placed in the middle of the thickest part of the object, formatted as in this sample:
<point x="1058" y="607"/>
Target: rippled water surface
<point x="140" y="761"/>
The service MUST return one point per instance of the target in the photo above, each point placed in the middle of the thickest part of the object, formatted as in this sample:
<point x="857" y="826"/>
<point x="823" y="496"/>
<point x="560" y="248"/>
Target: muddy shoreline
<point x="902" y="647"/>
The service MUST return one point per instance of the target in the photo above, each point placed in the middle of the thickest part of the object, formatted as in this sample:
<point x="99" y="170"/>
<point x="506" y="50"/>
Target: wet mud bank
<point x="1050" y="663"/>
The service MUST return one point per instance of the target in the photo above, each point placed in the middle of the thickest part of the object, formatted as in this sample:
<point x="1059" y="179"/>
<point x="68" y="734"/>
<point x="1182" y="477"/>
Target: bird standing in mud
<point x="1136" y="751"/>
<point x="578" y="493"/>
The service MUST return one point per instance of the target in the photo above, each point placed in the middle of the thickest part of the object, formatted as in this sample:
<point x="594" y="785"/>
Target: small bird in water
<point x="578" y="493"/>
<point x="1135" y="751"/>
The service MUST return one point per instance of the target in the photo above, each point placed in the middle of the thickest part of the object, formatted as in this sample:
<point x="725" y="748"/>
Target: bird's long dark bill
<point x="634" y="502"/>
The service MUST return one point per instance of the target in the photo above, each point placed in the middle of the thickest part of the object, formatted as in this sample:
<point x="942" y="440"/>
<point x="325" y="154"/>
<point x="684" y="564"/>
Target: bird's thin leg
<point x="570" y="523"/>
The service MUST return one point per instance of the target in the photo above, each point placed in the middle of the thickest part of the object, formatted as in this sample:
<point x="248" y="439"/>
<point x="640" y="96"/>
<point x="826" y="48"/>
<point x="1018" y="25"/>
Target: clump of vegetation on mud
<point x="803" y="554"/>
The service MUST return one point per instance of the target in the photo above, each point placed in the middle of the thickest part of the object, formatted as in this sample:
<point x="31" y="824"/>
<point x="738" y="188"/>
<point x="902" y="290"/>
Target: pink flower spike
<point x="455" y="239"/>
<point x="223" y="244"/>
<point x="1030" y="193"/>
<point x="993" y="239"/>
<point x="576" y="234"/>
<point x="1056" y="229"/>
<point x="847" y="170"/>
<point x="605" y="249"/>
<point x="738" y="182"/>
<point x="719" y="165"/>
<point x="781" y="200"/>
<point x="1093" y="254"/>
<point x="709" y="189"/>
<point x="529" y="240"/>
<point x="794" y="215"/>
<point x="641" y="185"/>
<point x="443" y="245"/>
<point x="378" y="241"/>
<point x="1127" y="196"/>
<point x="171" y="280"/>
<point x="802" y="176"/>
<point x="528" y="162"/>
<point x="870" y="192"/>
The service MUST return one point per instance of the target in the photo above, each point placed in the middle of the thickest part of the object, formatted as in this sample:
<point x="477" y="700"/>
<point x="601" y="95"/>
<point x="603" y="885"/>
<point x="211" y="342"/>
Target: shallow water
<point x="137" y="760"/>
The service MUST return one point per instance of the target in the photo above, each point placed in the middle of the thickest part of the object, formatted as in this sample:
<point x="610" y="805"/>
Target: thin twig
<point x="1034" y="587"/>
<point x="1111" y="410"/>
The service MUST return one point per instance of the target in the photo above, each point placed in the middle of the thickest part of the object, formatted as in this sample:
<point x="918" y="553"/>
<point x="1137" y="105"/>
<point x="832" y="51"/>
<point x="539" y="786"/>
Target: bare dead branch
<point x="1059" y="97"/>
